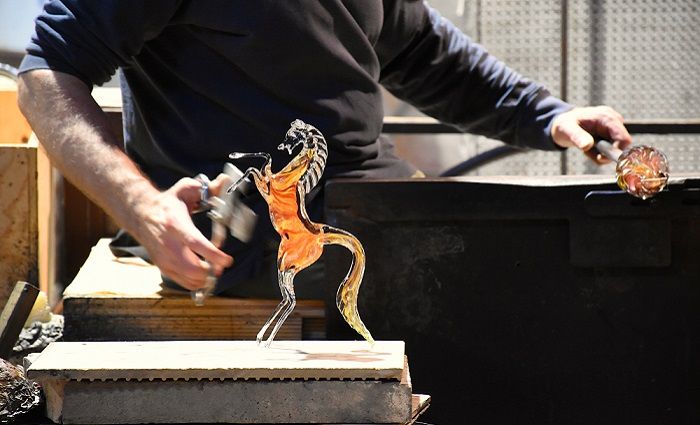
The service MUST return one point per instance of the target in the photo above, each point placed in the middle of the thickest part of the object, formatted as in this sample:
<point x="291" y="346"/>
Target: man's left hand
<point x="581" y="127"/>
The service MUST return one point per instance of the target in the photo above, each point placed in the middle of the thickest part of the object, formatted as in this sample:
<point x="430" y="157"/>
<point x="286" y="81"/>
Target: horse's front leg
<point x="285" y="279"/>
<point x="266" y="156"/>
<point x="262" y="182"/>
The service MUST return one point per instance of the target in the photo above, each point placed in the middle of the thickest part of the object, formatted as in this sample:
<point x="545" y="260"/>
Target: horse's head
<point x="300" y="133"/>
<point x="312" y="155"/>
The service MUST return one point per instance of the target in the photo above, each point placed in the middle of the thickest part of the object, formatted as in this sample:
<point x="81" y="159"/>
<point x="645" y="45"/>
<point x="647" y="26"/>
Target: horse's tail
<point x="346" y="297"/>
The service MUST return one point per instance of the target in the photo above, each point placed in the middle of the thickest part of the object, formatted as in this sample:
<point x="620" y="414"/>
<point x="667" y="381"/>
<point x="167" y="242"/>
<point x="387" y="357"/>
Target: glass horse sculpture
<point x="302" y="240"/>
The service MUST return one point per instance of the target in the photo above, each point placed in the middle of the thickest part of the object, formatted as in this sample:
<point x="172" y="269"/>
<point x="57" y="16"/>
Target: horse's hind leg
<point x="287" y="300"/>
<point x="286" y="279"/>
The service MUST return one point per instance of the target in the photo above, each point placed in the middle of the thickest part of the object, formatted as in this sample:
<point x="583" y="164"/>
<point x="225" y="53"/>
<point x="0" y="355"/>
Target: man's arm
<point x="76" y="135"/>
<point x="431" y="64"/>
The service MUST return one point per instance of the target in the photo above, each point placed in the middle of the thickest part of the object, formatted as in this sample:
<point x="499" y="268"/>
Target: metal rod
<point x="564" y="72"/>
<point x="608" y="150"/>
<point x="427" y="125"/>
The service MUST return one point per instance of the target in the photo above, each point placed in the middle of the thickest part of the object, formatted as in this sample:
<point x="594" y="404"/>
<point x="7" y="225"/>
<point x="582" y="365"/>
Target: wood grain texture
<point x="113" y="299"/>
<point x="50" y="223"/>
<point x="220" y="360"/>
<point x="18" y="216"/>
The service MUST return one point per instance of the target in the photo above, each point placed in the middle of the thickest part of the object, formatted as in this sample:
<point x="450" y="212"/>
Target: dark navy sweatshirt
<point x="204" y="78"/>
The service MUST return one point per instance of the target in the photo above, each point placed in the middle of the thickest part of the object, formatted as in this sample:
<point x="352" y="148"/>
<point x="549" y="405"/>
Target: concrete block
<point x="340" y="382"/>
<point x="236" y="401"/>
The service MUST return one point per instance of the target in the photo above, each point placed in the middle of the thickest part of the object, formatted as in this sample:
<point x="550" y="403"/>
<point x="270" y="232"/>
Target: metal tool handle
<point x="608" y="150"/>
<point x="199" y="295"/>
<point x="205" y="203"/>
<point x="227" y="213"/>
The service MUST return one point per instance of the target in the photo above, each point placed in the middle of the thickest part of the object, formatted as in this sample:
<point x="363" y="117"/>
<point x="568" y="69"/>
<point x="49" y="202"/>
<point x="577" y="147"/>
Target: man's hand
<point x="579" y="126"/>
<point x="175" y="245"/>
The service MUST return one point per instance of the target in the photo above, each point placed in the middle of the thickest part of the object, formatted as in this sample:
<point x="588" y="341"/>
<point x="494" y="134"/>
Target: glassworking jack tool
<point x="226" y="211"/>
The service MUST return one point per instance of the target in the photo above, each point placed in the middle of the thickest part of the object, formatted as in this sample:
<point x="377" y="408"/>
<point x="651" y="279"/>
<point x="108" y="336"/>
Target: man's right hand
<point x="173" y="242"/>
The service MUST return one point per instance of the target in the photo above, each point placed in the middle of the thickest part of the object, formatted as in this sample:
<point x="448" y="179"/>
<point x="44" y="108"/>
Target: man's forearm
<point x="78" y="139"/>
<point x="76" y="135"/>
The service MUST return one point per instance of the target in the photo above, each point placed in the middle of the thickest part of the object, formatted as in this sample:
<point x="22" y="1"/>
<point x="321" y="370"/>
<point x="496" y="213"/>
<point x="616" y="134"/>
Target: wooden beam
<point x="14" y="314"/>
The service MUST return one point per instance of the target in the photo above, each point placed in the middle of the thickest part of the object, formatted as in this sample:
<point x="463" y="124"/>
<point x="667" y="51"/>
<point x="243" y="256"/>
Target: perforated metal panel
<point x="643" y="58"/>
<point x="525" y="35"/>
<point x="640" y="56"/>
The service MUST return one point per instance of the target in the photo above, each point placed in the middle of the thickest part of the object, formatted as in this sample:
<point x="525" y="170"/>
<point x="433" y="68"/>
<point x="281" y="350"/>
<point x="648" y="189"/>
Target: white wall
<point x="17" y="23"/>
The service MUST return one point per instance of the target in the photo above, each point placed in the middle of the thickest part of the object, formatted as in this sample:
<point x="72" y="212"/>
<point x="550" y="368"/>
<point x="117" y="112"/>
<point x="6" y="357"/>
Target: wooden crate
<point x="117" y="299"/>
<point x="18" y="196"/>
<point x="31" y="225"/>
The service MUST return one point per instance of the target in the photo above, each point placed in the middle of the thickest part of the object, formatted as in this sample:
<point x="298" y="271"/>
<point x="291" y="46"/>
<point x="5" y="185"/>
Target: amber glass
<point x="642" y="171"/>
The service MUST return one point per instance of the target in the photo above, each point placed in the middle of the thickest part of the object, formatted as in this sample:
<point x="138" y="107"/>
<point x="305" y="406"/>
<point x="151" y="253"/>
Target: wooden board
<point x="105" y="276"/>
<point x="18" y="217"/>
<point x="220" y="360"/>
<point x="14" y="314"/>
<point x="50" y="223"/>
<point x="124" y="299"/>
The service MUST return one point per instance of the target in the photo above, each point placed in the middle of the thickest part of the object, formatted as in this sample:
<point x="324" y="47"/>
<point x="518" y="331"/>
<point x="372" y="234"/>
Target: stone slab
<point x="232" y="382"/>
<point x="219" y="360"/>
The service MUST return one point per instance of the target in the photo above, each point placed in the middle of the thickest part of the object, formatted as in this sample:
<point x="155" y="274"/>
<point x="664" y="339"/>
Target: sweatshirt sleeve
<point x="90" y="39"/>
<point x="428" y="62"/>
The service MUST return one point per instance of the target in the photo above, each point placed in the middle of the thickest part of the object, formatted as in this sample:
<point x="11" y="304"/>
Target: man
<point x="202" y="79"/>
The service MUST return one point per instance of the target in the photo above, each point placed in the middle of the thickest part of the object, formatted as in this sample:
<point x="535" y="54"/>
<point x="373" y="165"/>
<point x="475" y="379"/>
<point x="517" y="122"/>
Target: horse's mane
<point x="310" y="138"/>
